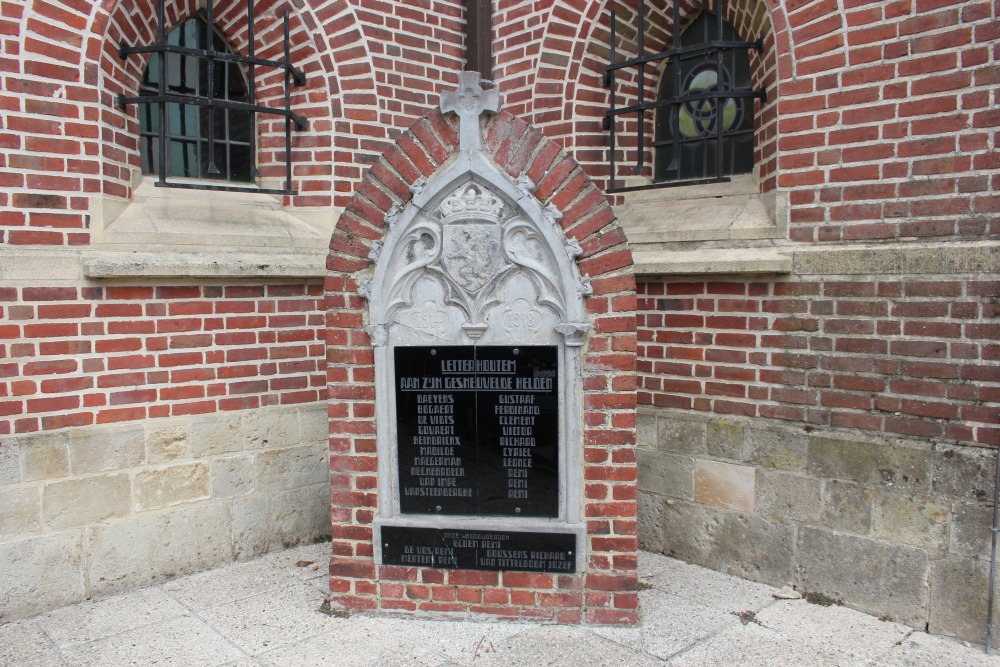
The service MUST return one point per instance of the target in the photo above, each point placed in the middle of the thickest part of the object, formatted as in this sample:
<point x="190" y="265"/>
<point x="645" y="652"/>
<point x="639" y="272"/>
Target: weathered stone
<point x="877" y="577"/>
<point x="232" y="476"/>
<point x="651" y="522"/>
<point x="736" y="543"/>
<point x="20" y="511"/>
<point x="282" y="469"/>
<point x="40" y="573"/>
<point x="144" y="549"/>
<point x="263" y="523"/>
<point x="167" y="441"/>
<point x="912" y="519"/>
<point x="45" y="457"/>
<point x="78" y="502"/>
<point x="101" y="449"/>
<point x="314" y="424"/>
<point x="959" y="590"/>
<point x="971" y="531"/>
<point x="724" y="485"/>
<point x="666" y="474"/>
<point x="892" y="464"/>
<point x="169" y="486"/>
<point x="271" y="429"/>
<point x="724" y="439"/>
<point x="10" y="466"/>
<point x="219" y="433"/>
<point x="646" y="431"/>
<point x="783" y="449"/>
<point x="681" y="436"/>
<point x="847" y="507"/>
<point x="966" y="473"/>
<point x="786" y="496"/>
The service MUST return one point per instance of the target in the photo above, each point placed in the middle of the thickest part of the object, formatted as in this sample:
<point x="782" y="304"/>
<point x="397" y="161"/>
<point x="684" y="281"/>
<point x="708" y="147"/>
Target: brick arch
<point x="428" y="147"/>
<point x="318" y="100"/>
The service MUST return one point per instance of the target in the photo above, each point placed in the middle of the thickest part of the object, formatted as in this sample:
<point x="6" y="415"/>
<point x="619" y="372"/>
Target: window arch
<point x="207" y="142"/>
<point x="698" y="126"/>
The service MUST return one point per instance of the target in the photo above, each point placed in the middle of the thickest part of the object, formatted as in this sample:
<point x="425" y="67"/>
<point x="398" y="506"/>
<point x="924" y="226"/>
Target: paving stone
<point x="98" y="619"/>
<point x="458" y="642"/>
<point x="753" y="645"/>
<point x="184" y="641"/>
<point x="562" y="646"/>
<point x="227" y="584"/>
<point x="24" y="644"/>
<point x="702" y="585"/>
<point x="923" y="650"/>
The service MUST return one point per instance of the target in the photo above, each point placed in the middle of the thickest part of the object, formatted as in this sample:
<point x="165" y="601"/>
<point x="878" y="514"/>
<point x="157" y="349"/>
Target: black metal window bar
<point x="695" y="101"/>
<point x="215" y="103"/>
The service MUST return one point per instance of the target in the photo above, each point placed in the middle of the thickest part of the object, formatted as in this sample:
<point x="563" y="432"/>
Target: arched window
<point x="699" y="126"/>
<point x="209" y="142"/>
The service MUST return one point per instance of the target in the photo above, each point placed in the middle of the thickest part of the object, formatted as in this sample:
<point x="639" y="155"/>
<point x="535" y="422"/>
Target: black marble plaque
<point x="478" y="549"/>
<point x="477" y="430"/>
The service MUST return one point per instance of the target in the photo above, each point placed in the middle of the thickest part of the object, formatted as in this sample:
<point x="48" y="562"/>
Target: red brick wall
<point x="606" y="591"/>
<point x="897" y="356"/>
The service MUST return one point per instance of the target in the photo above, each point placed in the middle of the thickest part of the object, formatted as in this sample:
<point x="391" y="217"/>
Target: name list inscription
<point x="478" y="550"/>
<point x="477" y="430"/>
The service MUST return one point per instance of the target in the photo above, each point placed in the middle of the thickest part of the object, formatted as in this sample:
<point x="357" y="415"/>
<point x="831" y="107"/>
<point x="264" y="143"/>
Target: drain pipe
<point x="993" y="554"/>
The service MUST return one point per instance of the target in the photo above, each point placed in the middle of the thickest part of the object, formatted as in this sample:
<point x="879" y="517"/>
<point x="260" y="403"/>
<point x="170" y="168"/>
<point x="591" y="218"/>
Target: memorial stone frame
<point x="481" y="371"/>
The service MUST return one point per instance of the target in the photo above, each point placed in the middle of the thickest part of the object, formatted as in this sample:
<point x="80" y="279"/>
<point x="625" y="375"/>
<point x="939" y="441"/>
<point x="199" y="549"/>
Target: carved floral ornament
<point x="473" y="252"/>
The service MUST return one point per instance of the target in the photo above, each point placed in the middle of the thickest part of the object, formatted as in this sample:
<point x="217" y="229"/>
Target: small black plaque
<point x="477" y="430"/>
<point x="478" y="549"/>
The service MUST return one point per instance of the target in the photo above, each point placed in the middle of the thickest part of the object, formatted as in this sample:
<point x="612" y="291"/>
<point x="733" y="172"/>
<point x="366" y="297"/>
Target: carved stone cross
<point x="469" y="102"/>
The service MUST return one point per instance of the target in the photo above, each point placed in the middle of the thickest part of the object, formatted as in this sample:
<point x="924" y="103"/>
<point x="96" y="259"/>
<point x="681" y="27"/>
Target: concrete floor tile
<point x="97" y="619"/>
<point x="225" y="585"/>
<point x="668" y="624"/>
<point x="459" y="642"/>
<point x="24" y="644"/>
<point x="184" y="642"/>
<point x="318" y="554"/>
<point x="270" y="620"/>
<point x="834" y="629"/>
<point x="923" y="650"/>
<point x="707" y="587"/>
<point x="353" y="642"/>
<point x="752" y="645"/>
<point x="563" y="646"/>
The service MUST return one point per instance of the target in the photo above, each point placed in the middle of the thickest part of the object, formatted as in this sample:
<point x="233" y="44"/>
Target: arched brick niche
<point x="599" y="490"/>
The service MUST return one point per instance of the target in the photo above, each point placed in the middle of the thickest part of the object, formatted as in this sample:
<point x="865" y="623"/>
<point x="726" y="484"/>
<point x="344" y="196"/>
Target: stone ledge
<point x="958" y="257"/>
<point x="309" y="263"/>
<point x="711" y="261"/>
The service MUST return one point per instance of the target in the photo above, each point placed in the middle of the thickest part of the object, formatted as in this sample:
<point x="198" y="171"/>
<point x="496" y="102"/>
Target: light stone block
<point x="666" y="474"/>
<point x="314" y="424"/>
<point x="971" y="531"/>
<point x="893" y="464"/>
<point x="788" y="497"/>
<point x="20" y="511"/>
<point x="912" y="519"/>
<point x="847" y="507"/>
<point x="44" y="457"/>
<point x="40" y="573"/>
<point x="232" y="476"/>
<point x="167" y="441"/>
<point x="263" y="523"/>
<point x="783" y="449"/>
<point x="645" y="431"/>
<point x="103" y="449"/>
<point x="876" y="577"/>
<point x="735" y="543"/>
<point x="145" y="549"/>
<point x="215" y="434"/>
<point x="724" y="439"/>
<point x="10" y="466"/>
<point x="79" y="502"/>
<point x="650" y="522"/>
<point x="724" y="485"/>
<point x="270" y="429"/>
<point x="959" y="590"/>
<point x="966" y="473"/>
<point x="154" y="489"/>
<point x="681" y="436"/>
<point x="282" y="469"/>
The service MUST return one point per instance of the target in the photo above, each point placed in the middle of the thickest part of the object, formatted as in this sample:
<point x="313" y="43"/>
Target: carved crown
<point x="472" y="203"/>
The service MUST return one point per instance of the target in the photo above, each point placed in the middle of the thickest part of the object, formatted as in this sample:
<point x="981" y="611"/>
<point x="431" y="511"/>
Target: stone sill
<point x="99" y="264"/>
<point x="710" y="261"/>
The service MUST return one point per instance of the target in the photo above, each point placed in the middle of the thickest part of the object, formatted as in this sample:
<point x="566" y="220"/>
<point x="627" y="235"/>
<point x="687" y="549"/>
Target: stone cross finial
<point x="469" y="102"/>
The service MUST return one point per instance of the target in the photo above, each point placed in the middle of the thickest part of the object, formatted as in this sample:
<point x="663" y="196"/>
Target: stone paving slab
<point x="266" y="613"/>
